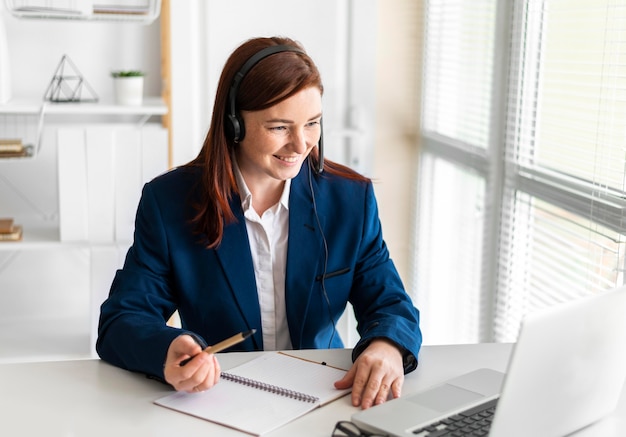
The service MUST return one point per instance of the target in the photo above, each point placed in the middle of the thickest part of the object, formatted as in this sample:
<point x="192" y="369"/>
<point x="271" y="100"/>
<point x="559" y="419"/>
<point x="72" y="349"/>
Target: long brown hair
<point x="272" y="80"/>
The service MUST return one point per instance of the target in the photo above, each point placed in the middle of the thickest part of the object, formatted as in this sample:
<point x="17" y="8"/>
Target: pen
<point x="224" y="344"/>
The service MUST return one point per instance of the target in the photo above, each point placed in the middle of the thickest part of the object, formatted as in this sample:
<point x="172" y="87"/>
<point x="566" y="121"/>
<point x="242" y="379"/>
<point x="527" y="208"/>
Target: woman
<point x="254" y="234"/>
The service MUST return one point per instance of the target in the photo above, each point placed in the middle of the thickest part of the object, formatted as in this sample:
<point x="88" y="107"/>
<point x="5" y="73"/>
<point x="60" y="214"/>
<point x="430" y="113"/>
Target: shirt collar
<point x="246" y="195"/>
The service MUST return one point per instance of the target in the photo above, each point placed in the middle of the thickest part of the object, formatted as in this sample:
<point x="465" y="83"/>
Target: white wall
<point x="36" y="47"/>
<point x="344" y="52"/>
<point x="398" y="70"/>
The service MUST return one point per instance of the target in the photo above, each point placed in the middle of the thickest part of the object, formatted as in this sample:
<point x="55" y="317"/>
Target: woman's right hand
<point x="201" y="373"/>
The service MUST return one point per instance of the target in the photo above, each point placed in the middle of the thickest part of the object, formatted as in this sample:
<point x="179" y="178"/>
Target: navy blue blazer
<point x="168" y="268"/>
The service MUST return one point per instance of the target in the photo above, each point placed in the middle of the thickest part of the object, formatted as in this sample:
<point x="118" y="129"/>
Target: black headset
<point x="234" y="123"/>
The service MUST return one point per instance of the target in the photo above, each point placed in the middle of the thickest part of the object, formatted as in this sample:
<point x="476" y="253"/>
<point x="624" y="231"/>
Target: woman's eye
<point x="278" y="128"/>
<point x="313" y="123"/>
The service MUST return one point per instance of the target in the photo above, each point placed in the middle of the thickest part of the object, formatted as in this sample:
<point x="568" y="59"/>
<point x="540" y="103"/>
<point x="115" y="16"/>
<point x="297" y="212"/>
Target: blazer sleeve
<point x="132" y="331"/>
<point x="382" y="306"/>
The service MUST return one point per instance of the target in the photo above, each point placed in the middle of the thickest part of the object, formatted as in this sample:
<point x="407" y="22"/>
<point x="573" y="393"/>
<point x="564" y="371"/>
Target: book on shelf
<point x="6" y="225"/>
<point x="120" y="10"/>
<point x="14" y="148"/>
<point x="9" y="231"/>
<point x="11" y="145"/>
<point x="262" y="394"/>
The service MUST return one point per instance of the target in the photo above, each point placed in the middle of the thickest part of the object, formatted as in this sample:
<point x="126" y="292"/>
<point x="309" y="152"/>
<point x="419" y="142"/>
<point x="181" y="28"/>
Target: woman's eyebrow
<point x="279" y="120"/>
<point x="285" y="120"/>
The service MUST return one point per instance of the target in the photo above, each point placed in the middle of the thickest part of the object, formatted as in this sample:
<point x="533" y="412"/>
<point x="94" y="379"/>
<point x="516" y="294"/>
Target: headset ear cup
<point x="234" y="128"/>
<point x="241" y="128"/>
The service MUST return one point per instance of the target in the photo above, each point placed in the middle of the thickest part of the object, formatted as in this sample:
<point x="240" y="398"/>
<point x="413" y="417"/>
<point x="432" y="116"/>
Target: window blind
<point x="458" y="67"/>
<point x="563" y="225"/>
<point x="521" y="189"/>
<point x="453" y="186"/>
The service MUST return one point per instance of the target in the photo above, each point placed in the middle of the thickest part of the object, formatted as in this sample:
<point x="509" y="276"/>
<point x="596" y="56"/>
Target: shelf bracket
<point x="42" y="111"/>
<point x="143" y="120"/>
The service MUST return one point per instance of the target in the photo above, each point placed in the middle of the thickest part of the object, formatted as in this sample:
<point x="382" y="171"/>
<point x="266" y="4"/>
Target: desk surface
<point x="92" y="398"/>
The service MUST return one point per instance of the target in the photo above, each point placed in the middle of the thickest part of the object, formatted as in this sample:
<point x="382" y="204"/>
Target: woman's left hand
<point x="375" y="374"/>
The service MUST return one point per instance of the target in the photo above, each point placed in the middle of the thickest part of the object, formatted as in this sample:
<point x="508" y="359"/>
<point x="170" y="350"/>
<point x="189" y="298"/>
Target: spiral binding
<point x="270" y="388"/>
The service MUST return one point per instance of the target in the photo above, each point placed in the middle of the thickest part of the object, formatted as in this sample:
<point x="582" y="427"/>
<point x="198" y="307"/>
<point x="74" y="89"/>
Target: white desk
<point x="92" y="398"/>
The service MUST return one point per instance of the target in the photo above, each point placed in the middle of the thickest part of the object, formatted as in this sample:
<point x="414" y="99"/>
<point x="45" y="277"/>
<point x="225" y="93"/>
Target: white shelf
<point x="151" y="106"/>
<point x="45" y="236"/>
<point x="39" y="110"/>
<point x="145" y="15"/>
<point x="35" y="236"/>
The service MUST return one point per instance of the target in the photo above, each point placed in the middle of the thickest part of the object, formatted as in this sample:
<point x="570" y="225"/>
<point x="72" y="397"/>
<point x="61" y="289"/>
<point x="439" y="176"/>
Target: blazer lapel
<point x="304" y="254"/>
<point x="236" y="261"/>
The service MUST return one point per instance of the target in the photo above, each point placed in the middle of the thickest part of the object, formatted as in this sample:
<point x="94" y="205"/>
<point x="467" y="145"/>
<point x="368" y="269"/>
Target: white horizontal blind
<point x="449" y="251"/>
<point x="562" y="160"/>
<point x="564" y="210"/>
<point x="458" y="65"/>
<point x="452" y="196"/>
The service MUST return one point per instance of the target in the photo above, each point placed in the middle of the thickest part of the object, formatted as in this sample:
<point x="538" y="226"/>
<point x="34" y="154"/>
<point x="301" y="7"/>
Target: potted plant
<point x="128" y="86"/>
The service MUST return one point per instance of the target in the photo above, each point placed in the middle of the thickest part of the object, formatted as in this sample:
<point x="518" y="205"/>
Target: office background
<point x="489" y="151"/>
<point x="51" y="285"/>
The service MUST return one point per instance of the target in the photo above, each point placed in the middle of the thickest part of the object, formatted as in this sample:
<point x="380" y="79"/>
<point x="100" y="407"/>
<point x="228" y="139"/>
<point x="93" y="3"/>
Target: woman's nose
<point x="299" y="140"/>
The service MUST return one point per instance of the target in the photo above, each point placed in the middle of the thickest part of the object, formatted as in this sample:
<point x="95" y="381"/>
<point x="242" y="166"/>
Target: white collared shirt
<point x="268" y="236"/>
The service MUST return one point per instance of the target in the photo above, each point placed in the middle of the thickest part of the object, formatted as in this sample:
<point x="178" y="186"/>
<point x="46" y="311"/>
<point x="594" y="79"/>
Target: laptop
<point x="566" y="371"/>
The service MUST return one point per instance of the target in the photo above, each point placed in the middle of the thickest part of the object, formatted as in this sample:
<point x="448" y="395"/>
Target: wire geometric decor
<point x="68" y="86"/>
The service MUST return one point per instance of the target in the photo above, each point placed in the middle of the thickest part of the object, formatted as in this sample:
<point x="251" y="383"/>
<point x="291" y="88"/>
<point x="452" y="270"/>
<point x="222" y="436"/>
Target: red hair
<point x="272" y="80"/>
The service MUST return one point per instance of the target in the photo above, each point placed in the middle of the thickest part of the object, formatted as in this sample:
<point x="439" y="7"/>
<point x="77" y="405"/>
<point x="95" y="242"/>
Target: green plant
<point x="129" y="73"/>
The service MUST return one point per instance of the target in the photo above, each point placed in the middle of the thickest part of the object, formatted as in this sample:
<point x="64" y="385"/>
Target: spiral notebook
<point x="262" y="394"/>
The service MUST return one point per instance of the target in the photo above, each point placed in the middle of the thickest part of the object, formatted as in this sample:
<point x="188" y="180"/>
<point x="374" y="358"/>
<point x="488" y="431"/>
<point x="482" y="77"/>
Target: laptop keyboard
<point x="473" y="422"/>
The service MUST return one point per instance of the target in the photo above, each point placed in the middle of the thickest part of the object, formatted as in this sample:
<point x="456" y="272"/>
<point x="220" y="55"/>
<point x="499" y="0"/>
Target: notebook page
<point x="256" y="411"/>
<point x="237" y="406"/>
<point x="295" y="374"/>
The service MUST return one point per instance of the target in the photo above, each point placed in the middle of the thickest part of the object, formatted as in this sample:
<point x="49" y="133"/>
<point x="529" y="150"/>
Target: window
<point x="521" y="192"/>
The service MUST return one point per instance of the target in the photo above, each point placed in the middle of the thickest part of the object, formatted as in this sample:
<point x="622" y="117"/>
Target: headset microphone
<point x="320" y="151"/>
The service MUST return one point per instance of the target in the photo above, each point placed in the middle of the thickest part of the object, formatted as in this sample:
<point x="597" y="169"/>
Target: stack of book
<point x="9" y="231"/>
<point x="13" y="148"/>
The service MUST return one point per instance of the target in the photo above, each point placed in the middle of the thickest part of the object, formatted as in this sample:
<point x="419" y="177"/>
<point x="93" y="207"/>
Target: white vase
<point x="128" y="90"/>
<point x="5" y="65"/>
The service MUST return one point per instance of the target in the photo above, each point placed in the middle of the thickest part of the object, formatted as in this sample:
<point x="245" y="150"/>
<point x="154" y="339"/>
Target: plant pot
<point x="128" y="90"/>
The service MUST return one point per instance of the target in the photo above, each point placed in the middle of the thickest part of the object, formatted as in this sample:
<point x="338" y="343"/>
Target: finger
<point x="205" y="375"/>
<point x="389" y="387"/>
<point x="175" y="376"/>
<point x="212" y="375"/>
<point x="372" y="388"/>
<point x="383" y="393"/>
<point x="359" y="386"/>
<point x="202" y="379"/>
<point x="218" y="370"/>
<point x="187" y="377"/>
<point x="396" y="387"/>
<point x="347" y="380"/>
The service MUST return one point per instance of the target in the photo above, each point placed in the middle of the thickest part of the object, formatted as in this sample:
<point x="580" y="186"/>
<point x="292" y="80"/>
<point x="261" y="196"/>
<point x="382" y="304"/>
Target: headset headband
<point x="234" y="87"/>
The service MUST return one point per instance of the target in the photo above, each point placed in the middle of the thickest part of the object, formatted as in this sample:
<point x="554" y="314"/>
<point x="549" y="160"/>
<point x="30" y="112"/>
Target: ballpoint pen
<point x="224" y="344"/>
